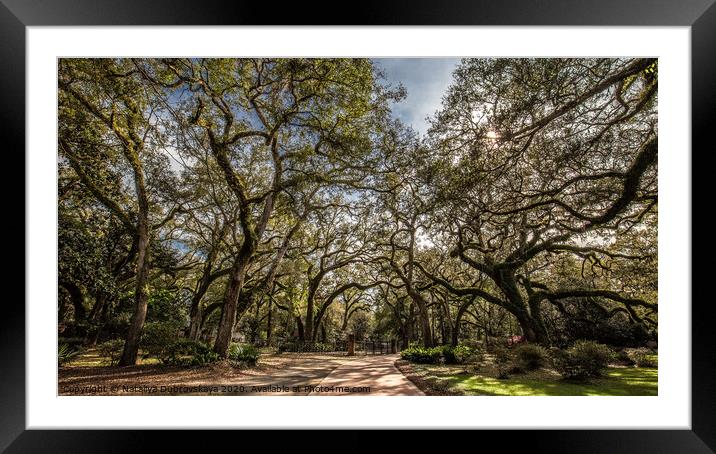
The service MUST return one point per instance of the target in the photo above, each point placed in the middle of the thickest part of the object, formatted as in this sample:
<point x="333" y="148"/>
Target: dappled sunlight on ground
<point x="336" y="374"/>
<point x="623" y="381"/>
<point x="287" y="369"/>
<point x="373" y="375"/>
<point x="297" y="372"/>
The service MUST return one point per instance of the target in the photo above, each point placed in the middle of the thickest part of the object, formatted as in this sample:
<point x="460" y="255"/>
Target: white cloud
<point x="425" y="79"/>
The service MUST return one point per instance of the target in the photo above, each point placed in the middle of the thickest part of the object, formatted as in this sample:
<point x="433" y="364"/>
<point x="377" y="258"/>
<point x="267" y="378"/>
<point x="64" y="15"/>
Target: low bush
<point x="112" y="349"/>
<point x="65" y="352"/>
<point x="531" y="357"/>
<point x="641" y="357"/>
<point x="245" y="353"/>
<point x="157" y="335"/>
<point x="303" y="347"/>
<point x="76" y="343"/>
<point x="504" y="358"/>
<point x="621" y="356"/>
<point x="422" y="355"/>
<point x="447" y="354"/>
<point x="186" y="352"/>
<point x="460" y="354"/>
<point x="582" y="360"/>
<point x="321" y="347"/>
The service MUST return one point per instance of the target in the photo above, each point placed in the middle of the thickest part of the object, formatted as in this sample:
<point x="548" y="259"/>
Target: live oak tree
<point x="86" y="246"/>
<point x="294" y="120"/>
<point x="206" y="227"/>
<point x="407" y="211"/>
<point x="535" y="158"/>
<point x="279" y="199"/>
<point x="349" y="287"/>
<point x="105" y="126"/>
<point x="341" y="246"/>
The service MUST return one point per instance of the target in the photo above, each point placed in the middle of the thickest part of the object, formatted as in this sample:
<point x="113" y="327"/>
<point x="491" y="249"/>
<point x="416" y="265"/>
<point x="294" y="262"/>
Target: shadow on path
<point x="369" y="376"/>
<point x="276" y="375"/>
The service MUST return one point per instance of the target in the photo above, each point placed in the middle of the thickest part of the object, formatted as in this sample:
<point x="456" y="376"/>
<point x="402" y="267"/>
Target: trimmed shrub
<point x="531" y="357"/>
<point x="186" y="352"/>
<point x="447" y="354"/>
<point x="112" y="349"/>
<point x="583" y="360"/>
<point x="422" y="355"/>
<point x="245" y="353"/>
<point x="641" y="357"/>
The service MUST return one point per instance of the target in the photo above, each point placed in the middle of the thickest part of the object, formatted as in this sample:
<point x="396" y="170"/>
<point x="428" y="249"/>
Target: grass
<point x="618" y="381"/>
<point x="465" y="380"/>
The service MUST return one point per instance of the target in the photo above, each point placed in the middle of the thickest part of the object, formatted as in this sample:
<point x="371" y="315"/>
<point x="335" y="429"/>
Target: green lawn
<point x="631" y="381"/>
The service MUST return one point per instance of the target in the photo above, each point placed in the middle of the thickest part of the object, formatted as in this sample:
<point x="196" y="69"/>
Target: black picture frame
<point x="700" y="15"/>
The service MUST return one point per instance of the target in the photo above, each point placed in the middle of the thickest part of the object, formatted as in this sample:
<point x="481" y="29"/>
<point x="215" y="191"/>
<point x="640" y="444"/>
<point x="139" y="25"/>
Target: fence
<point x="372" y="347"/>
<point x="365" y="347"/>
<point x="297" y="346"/>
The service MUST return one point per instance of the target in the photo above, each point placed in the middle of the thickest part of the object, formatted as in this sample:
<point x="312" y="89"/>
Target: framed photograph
<point x="405" y="218"/>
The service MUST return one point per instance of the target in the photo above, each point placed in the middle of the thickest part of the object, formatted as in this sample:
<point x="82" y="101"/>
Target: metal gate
<point x="364" y="347"/>
<point x="376" y="347"/>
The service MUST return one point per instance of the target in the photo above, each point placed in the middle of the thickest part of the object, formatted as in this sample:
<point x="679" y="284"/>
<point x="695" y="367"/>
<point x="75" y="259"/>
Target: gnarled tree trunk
<point x="141" y="296"/>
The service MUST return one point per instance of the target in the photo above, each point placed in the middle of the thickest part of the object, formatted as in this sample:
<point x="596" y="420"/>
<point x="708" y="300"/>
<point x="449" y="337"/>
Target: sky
<point x="425" y="79"/>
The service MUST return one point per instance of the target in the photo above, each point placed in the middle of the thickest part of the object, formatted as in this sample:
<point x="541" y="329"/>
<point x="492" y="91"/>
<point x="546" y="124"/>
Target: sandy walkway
<point x="277" y="375"/>
<point x="286" y="374"/>
<point x="369" y="376"/>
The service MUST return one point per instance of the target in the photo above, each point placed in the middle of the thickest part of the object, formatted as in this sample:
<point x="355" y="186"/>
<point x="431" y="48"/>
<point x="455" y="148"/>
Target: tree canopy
<point x="273" y="199"/>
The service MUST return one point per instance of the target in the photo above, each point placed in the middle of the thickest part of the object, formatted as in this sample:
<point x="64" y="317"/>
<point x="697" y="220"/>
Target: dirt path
<point x="283" y="375"/>
<point x="297" y="378"/>
<point x="369" y="376"/>
<point x="286" y="374"/>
